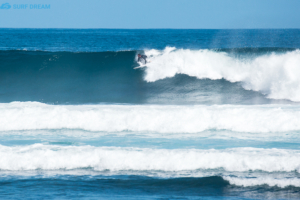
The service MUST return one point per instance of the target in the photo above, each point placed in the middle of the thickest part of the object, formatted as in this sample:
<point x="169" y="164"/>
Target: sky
<point x="144" y="14"/>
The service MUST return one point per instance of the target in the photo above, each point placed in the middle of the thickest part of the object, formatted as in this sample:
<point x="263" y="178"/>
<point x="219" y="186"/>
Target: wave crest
<point x="273" y="74"/>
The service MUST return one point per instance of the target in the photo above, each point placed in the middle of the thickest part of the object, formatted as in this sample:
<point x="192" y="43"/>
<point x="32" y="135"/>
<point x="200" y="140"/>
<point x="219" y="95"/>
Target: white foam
<point x="276" y="75"/>
<point x="149" y="118"/>
<point x="270" y="181"/>
<point x="54" y="157"/>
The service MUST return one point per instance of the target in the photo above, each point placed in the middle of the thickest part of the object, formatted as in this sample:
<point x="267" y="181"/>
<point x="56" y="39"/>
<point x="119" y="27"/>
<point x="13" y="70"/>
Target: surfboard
<point x="142" y="64"/>
<point x="140" y="67"/>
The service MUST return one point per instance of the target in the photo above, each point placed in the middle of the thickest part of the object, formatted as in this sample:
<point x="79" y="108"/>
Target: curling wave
<point x="274" y="74"/>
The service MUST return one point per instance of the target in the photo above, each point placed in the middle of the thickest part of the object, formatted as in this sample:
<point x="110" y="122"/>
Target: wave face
<point x="137" y="187"/>
<point x="228" y="76"/>
<point x="66" y="77"/>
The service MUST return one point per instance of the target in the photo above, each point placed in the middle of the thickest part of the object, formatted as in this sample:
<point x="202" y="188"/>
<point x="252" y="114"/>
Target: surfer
<point x="142" y="57"/>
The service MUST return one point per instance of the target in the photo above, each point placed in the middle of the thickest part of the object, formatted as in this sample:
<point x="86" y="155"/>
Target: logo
<point x="25" y="6"/>
<point x="5" y="6"/>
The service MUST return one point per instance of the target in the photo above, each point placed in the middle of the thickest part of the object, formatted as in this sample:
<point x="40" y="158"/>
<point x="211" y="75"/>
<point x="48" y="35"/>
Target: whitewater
<point x="52" y="157"/>
<point x="150" y="118"/>
<point x="274" y="74"/>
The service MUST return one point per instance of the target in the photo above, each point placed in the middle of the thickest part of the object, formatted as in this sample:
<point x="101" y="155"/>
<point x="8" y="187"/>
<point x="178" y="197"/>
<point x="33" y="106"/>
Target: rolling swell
<point x="109" y="77"/>
<point x="120" y="187"/>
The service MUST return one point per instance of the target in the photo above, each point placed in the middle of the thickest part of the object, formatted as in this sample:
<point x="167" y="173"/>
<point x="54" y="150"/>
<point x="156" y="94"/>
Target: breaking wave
<point x="269" y="166"/>
<point x="275" y="74"/>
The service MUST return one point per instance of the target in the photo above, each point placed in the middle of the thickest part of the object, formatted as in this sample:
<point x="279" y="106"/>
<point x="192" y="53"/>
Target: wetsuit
<point x="143" y="57"/>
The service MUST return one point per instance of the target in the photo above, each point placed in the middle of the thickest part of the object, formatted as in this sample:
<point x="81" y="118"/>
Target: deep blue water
<point x="214" y="114"/>
<point x="97" y="40"/>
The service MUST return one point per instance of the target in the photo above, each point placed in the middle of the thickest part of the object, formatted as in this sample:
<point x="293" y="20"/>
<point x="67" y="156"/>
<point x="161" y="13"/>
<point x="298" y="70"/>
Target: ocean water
<point x="214" y="114"/>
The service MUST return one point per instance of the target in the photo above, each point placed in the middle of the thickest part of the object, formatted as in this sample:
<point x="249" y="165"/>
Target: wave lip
<point x="275" y="74"/>
<point x="149" y="118"/>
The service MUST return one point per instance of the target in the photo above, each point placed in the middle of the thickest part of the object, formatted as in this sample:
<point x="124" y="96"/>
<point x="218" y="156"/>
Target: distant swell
<point x="273" y="74"/>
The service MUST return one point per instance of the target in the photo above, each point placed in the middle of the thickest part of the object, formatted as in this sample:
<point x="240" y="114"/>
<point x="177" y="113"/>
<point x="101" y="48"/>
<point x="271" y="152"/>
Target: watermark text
<point x="25" y="6"/>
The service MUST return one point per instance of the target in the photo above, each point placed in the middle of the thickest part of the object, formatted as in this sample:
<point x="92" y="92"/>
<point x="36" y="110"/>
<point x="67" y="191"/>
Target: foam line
<point x="248" y="182"/>
<point x="149" y="118"/>
<point x="54" y="157"/>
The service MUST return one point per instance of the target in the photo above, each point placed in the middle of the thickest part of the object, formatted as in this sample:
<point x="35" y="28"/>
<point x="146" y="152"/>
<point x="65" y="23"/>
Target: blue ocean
<point x="213" y="114"/>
